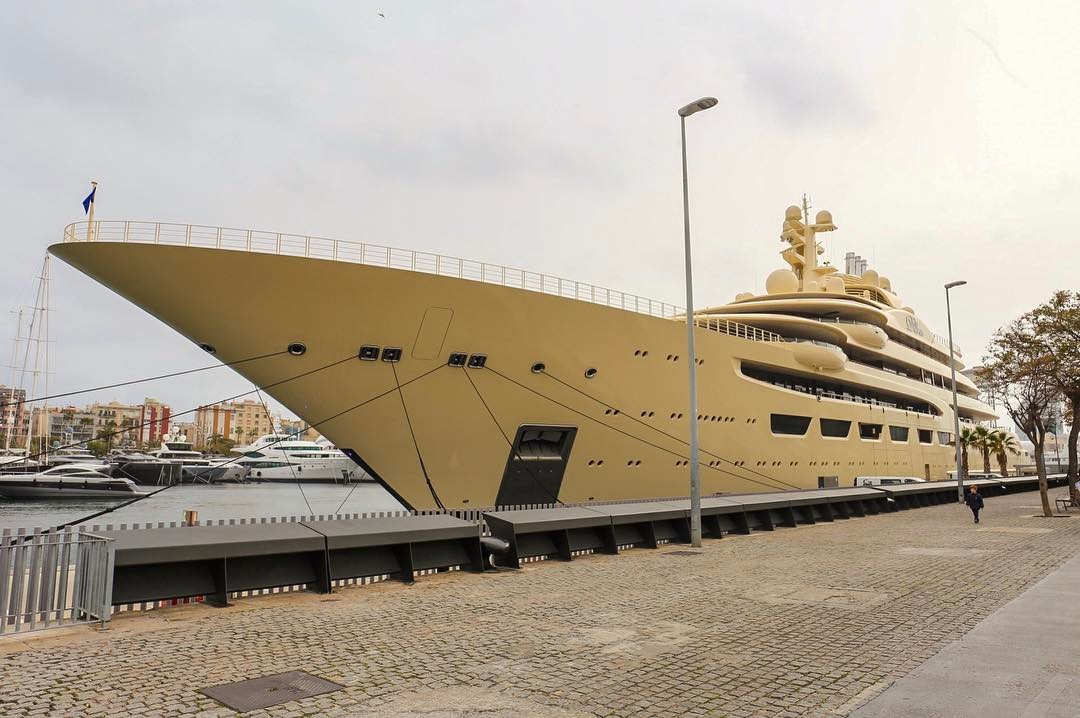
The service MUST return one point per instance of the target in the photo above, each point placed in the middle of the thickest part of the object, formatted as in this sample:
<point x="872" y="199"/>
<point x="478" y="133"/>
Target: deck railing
<point x="738" y="329"/>
<point x="251" y="240"/>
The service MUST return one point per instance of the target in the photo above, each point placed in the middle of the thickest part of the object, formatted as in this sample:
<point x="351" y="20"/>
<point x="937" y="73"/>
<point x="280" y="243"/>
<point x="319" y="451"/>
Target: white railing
<point x="737" y="329"/>
<point x="251" y="240"/>
<point x="54" y="578"/>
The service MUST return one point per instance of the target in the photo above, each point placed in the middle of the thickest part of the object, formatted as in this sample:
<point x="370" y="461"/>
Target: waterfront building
<point x="251" y="419"/>
<point x="13" y="416"/>
<point x="118" y="419"/>
<point x="216" y="419"/>
<point x="153" y="422"/>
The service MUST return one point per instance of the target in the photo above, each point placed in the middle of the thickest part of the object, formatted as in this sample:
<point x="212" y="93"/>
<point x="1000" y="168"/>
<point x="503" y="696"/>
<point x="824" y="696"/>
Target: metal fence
<point x="251" y="240"/>
<point x="52" y="579"/>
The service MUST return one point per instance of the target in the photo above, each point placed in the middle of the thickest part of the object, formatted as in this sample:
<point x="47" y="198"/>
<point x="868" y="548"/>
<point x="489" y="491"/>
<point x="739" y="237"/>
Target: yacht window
<point x="869" y="431"/>
<point x="926" y="436"/>
<point x="836" y="428"/>
<point x="944" y="438"/>
<point x="253" y="454"/>
<point x="898" y="433"/>
<point x="787" y="424"/>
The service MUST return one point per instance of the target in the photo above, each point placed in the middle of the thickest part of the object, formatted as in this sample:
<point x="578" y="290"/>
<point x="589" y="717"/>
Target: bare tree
<point x="1057" y="324"/>
<point x="1020" y="370"/>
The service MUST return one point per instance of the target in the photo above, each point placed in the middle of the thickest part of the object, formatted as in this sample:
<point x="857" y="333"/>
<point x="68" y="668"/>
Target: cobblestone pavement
<point x="811" y="621"/>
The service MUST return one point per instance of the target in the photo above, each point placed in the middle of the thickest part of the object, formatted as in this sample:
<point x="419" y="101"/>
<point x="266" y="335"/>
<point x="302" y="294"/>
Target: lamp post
<point x="695" y="484"/>
<point x="955" y="404"/>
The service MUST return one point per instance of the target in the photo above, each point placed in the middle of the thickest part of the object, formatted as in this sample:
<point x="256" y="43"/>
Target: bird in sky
<point x="382" y="16"/>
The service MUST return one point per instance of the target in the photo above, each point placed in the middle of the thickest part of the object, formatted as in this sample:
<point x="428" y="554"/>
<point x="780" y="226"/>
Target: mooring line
<point x="513" y="449"/>
<point x="664" y="433"/>
<point x="416" y="444"/>
<point x="635" y="438"/>
<point x="142" y="381"/>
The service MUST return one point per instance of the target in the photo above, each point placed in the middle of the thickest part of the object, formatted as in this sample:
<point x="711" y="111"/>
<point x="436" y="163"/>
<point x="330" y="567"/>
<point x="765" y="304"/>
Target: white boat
<point x="196" y="467"/>
<point x="283" y="457"/>
<point x="74" y="455"/>
<point x="70" y="481"/>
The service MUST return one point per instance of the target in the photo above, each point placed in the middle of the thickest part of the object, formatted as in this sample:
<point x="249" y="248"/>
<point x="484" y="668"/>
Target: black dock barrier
<point x="214" y="563"/>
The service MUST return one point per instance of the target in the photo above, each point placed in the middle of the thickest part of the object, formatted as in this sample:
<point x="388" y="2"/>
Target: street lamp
<point x="955" y="404"/>
<point x="695" y="484"/>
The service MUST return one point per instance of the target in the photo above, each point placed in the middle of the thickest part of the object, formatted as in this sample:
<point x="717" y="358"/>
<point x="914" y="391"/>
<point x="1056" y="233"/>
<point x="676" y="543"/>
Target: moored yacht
<point x="473" y="385"/>
<point x="284" y="457"/>
<point x="68" y="481"/>
<point x="196" y="467"/>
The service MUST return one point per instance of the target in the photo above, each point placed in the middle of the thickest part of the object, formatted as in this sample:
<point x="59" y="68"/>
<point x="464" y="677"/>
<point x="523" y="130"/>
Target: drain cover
<point x="270" y="690"/>
<point x="683" y="553"/>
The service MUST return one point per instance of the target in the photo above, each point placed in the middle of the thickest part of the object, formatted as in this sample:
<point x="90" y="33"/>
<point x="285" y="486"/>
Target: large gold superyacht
<point x="457" y="383"/>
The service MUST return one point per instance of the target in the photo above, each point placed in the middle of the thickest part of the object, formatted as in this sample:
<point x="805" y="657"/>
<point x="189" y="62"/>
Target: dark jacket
<point x="974" y="501"/>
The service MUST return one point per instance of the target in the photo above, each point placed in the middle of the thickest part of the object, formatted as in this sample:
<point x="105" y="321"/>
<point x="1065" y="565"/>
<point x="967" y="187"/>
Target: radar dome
<point x="743" y="295"/>
<point x="823" y="217"/>
<point x="782" y="281"/>
<point x="834" y="284"/>
<point x="871" y="277"/>
<point x="811" y="286"/>
<point x="885" y="284"/>
<point x="793" y="212"/>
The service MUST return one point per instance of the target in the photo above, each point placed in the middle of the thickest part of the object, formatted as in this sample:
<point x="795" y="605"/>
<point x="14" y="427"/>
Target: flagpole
<point x="90" y="218"/>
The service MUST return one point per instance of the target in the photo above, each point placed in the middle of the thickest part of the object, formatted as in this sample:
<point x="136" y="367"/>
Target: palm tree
<point x="1001" y="444"/>
<point x="981" y="441"/>
<point x="966" y="439"/>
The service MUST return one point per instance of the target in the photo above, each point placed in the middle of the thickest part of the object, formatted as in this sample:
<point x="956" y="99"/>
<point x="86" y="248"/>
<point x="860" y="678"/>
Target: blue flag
<point x="89" y="198"/>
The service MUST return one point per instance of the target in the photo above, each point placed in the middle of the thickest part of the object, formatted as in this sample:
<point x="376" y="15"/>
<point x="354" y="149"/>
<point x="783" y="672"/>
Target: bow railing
<point x="251" y="240"/>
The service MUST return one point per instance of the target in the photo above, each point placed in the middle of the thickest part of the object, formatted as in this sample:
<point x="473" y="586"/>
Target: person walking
<point x="974" y="500"/>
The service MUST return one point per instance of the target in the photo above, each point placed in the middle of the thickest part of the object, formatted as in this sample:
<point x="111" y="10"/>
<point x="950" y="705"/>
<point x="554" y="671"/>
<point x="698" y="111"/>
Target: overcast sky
<point x="543" y="135"/>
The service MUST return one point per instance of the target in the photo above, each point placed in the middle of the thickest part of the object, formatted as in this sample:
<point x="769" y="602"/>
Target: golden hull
<point x="462" y="418"/>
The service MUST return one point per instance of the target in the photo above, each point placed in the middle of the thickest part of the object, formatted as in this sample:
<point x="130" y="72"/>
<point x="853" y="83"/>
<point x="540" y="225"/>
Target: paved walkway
<point x="1021" y="662"/>
<point x="813" y="621"/>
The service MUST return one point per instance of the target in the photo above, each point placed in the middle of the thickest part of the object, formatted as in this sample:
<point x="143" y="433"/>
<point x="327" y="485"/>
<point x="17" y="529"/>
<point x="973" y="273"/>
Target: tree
<point x="1001" y="444"/>
<point x="967" y="438"/>
<point x="980" y="440"/>
<point x="106" y="434"/>
<point x="218" y="444"/>
<point x="1020" y="371"/>
<point x="1057" y="324"/>
<point x="98" y="447"/>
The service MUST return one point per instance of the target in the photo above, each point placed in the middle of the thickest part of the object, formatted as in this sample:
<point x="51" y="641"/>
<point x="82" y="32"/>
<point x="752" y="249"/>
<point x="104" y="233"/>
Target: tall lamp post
<point x="695" y="484"/>
<point x="955" y="404"/>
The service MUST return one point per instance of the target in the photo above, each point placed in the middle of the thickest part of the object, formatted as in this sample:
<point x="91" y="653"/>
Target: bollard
<point x="190" y="517"/>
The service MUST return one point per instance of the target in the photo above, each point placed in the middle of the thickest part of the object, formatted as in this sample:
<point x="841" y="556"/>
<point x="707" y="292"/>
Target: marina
<point x="605" y="360"/>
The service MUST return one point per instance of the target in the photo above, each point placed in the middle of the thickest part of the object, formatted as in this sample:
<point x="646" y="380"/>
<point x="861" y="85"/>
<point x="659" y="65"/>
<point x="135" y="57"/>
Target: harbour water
<point x="218" y="501"/>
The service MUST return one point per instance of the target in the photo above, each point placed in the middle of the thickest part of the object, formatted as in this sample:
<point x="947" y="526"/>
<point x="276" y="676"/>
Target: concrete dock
<point x="816" y="621"/>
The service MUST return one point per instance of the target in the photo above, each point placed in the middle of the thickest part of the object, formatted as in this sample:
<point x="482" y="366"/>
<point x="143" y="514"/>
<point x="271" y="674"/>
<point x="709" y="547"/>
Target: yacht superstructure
<point x="475" y="385"/>
<point x="283" y="457"/>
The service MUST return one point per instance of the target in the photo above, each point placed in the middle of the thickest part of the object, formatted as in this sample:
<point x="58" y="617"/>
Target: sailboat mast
<point x="13" y="408"/>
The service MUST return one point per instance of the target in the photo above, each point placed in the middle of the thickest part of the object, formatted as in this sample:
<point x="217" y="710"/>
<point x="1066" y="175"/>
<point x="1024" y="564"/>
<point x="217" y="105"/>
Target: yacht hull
<point x="434" y="434"/>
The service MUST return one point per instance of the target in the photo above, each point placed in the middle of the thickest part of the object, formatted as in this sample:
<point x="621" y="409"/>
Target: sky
<point x="543" y="136"/>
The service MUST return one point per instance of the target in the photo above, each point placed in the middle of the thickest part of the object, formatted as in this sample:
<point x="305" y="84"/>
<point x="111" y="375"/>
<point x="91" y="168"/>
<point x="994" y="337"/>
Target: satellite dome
<point x="793" y="213"/>
<point x="871" y="277"/>
<point x="782" y="281"/>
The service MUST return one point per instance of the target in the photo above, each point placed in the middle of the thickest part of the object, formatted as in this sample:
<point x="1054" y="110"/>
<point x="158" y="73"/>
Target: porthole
<point x="669" y="357"/>
<point x="590" y="372"/>
<point x="208" y="348"/>
<point x="637" y="352"/>
<point x="651" y="414"/>
<point x="630" y="463"/>
<point x="591" y="462"/>
<point x="297" y="349"/>
<point x="644" y="353"/>
<point x="599" y="462"/>
<point x="538" y="368"/>
<point x="637" y="463"/>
